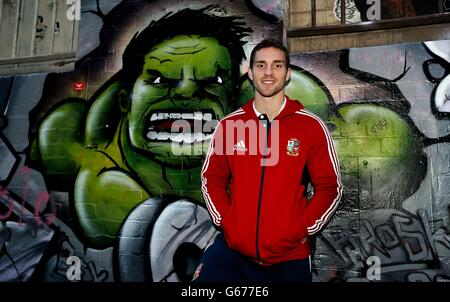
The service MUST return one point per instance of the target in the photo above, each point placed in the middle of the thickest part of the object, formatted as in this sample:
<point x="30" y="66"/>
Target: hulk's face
<point x="185" y="81"/>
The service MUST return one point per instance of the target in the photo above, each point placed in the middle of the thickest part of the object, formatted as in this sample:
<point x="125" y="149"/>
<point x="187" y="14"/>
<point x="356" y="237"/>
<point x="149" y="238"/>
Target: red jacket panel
<point x="253" y="186"/>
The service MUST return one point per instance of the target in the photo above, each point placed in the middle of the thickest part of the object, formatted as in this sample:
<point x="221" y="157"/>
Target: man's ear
<point x="288" y="74"/>
<point x="123" y="100"/>
<point x="250" y="74"/>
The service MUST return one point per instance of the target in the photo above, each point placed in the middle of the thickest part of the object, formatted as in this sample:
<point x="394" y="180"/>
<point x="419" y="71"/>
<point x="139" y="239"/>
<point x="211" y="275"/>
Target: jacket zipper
<point x="267" y="123"/>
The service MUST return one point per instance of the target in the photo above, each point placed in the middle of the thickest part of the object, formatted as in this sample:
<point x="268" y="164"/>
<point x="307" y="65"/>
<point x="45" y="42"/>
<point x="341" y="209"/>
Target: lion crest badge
<point x="293" y="147"/>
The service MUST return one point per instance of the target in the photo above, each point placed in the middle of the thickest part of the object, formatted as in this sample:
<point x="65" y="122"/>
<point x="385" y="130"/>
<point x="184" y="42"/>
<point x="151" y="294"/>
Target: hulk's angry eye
<point x="156" y="78"/>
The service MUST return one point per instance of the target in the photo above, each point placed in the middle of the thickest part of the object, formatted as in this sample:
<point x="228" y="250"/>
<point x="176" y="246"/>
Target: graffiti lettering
<point x="41" y="201"/>
<point x="26" y="171"/>
<point x="380" y="126"/>
<point x="14" y="205"/>
<point x="4" y="195"/>
<point x="355" y="252"/>
<point x="337" y="240"/>
<point x="400" y="235"/>
<point x="419" y="277"/>
<point x="40" y="28"/>
<point x="414" y="241"/>
<point x="387" y="236"/>
<point x="369" y="239"/>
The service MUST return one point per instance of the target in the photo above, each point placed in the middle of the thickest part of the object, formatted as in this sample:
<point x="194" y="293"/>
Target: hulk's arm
<point x="78" y="150"/>
<point x="66" y="135"/>
<point x="58" y="145"/>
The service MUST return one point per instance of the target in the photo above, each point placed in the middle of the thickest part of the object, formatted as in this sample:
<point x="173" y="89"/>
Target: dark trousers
<point x="219" y="263"/>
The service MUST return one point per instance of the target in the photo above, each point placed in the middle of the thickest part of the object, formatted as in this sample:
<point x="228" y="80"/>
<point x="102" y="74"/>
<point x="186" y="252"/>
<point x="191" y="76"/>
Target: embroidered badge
<point x="293" y="147"/>
<point x="197" y="271"/>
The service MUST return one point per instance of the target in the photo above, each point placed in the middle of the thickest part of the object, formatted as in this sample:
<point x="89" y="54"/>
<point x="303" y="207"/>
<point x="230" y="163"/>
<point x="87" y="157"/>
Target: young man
<point x="258" y="198"/>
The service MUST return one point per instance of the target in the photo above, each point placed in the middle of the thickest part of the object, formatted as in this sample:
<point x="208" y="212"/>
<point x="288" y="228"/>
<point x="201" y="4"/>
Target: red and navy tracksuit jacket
<point x="262" y="208"/>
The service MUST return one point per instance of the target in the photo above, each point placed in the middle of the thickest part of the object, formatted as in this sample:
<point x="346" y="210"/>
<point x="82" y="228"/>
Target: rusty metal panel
<point x="63" y="31"/>
<point x="37" y="36"/>
<point x="26" y="28"/>
<point x="8" y="28"/>
<point x="45" y="24"/>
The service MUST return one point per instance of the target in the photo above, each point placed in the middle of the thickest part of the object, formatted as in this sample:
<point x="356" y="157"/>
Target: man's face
<point x="187" y="79"/>
<point x="269" y="72"/>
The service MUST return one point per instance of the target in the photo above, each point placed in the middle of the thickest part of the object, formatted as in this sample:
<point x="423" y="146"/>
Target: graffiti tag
<point x="379" y="126"/>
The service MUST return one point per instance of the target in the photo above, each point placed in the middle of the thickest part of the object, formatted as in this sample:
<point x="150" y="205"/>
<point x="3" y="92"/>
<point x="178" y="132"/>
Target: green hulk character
<point x="118" y="151"/>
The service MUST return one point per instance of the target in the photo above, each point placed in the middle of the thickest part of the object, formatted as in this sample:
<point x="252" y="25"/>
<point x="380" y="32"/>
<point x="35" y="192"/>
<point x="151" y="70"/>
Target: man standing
<point x="261" y="205"/>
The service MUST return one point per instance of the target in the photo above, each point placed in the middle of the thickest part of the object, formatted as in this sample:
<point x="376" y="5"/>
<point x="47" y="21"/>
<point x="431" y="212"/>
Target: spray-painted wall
<point x="87" y="168"/>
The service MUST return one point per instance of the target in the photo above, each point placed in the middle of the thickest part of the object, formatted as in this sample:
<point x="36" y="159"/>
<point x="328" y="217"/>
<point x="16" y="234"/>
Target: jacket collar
<point x="290" y="107"/>
<point x="281" y="109"/>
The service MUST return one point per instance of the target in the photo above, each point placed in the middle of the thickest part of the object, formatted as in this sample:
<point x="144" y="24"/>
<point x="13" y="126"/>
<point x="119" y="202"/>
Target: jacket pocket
<point x="288" y="233"/>
<point x="298" y="223"/>
<point x="301" y="232"/>
<point x="228" y="228"/>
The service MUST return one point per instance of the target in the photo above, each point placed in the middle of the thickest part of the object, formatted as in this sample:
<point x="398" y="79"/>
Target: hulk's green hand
<point x="381" y="157"/>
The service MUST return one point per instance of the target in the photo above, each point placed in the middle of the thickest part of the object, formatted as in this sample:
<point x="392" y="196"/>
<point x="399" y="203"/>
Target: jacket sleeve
<point x="323" y="167"/>
<point x="215" y="177"/>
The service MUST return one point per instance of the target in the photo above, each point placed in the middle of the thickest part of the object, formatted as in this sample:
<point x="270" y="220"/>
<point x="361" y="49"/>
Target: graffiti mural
<point x="390" y="150"/>
<point x="437" y="71"/>
<point x="361" y="10"/>
<point x="117" y="151"/>
<point x="92" y="189"/>
<point x="403" y="242"/>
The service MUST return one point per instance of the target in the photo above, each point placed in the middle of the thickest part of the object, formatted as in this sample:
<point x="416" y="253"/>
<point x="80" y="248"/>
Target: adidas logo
<point x="240" y="146"/>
